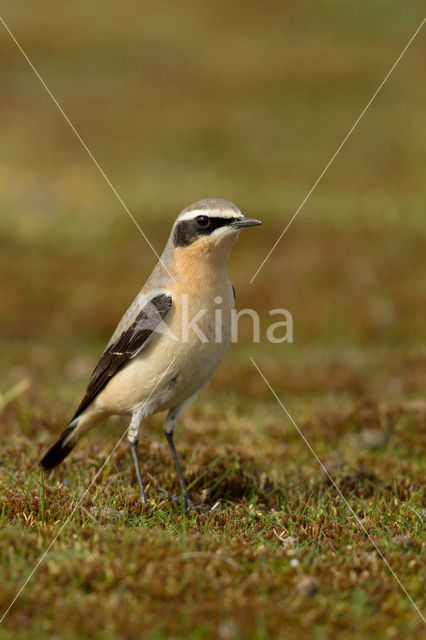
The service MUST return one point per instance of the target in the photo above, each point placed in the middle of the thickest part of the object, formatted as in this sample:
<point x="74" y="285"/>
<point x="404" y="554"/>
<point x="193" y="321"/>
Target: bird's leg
<point x="169" y="427"/>
<point x="133" y="439"/>
<point x="187" y="502"/>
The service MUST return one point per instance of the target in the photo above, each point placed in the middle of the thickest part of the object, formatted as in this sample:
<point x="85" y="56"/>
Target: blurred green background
<point x="245" y="101"/>
<point x="188" y="100"/>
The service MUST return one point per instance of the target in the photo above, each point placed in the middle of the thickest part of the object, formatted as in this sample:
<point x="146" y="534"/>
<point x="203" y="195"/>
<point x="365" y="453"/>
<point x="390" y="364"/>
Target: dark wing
<point x="127" y="345"/>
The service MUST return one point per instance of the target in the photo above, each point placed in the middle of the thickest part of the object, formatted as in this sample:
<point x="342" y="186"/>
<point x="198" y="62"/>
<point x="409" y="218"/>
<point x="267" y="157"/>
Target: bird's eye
<point x="202" y="221"/>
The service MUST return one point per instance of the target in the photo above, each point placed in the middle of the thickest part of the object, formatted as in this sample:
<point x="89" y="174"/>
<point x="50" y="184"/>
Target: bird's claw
<point x="188" y="504"/>
<point x="164" y="492"/>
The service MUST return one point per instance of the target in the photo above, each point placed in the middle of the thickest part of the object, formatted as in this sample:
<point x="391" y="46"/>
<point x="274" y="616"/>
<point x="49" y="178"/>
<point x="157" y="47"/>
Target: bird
<point x="171" y="339"/>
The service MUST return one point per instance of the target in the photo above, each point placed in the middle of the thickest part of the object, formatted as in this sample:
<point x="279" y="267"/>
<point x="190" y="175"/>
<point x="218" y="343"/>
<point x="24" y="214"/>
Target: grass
<point x="177" y="103"/>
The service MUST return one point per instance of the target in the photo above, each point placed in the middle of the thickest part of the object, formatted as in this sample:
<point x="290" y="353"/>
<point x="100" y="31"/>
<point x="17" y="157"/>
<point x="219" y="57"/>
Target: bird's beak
<point x="245" y="222"/>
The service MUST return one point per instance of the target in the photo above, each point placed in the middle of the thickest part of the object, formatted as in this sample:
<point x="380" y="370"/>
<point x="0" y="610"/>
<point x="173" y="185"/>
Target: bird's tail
<point x="62" y="447"/>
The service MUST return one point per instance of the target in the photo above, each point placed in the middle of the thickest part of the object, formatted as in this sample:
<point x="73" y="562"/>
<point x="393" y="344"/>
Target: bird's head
<point x="209" y="226"/>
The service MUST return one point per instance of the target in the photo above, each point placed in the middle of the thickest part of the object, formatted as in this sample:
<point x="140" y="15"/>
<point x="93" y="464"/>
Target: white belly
<point x="168" y="371"/>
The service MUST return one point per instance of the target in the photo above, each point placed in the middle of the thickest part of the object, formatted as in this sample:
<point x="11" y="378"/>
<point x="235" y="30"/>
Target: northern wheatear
<point x="169" y="342"/>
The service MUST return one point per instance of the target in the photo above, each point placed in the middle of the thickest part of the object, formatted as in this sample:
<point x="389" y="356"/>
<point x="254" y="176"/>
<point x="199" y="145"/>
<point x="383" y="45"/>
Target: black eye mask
<point x="187" y="231"/>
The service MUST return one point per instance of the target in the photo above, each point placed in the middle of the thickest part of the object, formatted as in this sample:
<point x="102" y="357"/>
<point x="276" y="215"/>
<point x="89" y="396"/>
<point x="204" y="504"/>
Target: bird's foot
<point x="184" y="499"/>
<point x="188" y="505"/>
<point x="143" y="507"/>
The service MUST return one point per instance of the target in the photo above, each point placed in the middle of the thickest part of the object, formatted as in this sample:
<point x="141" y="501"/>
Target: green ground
<point x="180" y="101"/>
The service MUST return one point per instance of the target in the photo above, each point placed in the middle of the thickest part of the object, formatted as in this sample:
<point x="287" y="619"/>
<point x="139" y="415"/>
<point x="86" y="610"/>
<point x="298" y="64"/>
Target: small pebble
<point x="372" y="438"/>
<point x="334" y="464"/>
<point x="227" y="630"/>
<point x="405" y="541"/>
<point x="307" y="586"/>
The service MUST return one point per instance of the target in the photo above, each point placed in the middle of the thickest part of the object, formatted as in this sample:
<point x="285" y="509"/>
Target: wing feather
<point x="126" y="346"/>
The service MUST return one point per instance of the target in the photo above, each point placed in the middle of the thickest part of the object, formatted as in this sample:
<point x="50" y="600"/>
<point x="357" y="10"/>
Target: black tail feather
<point x="58" y="451"/>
